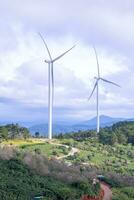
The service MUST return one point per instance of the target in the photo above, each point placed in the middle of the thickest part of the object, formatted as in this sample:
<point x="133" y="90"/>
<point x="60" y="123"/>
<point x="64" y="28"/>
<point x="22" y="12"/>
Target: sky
<point x="106" y="24"/>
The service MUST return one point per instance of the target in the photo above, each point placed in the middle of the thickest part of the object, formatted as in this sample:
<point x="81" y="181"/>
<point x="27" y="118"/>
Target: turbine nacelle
<point x="97" y="78"/>
<point x="48" y="61"/>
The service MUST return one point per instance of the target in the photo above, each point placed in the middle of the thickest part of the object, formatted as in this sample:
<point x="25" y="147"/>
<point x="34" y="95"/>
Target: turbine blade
<point x="64" y="53"/>
<point x="97" y="60"/>
<point x="93" y="90"/>
<point x="110" y="82"/>
<point x="45" y="46"/>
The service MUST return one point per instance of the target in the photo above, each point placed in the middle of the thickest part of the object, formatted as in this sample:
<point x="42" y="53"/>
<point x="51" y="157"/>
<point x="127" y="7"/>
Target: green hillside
<point x="25" y="175"/>
<point x="29" y="166"/>
<point x="121" y="132"/>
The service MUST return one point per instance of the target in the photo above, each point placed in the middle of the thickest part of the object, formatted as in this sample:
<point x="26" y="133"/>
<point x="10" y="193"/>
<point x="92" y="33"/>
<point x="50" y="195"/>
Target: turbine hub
<point x="97" y="78"/>
<point x="47" y="61"/>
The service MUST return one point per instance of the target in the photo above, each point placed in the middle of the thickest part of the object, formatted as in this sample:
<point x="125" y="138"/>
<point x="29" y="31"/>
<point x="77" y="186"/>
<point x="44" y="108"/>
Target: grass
<point x="19" y="142"/>
<point x="46" y="149"/>
<point x="118" y="158"/>
<point x="39" y="145"/>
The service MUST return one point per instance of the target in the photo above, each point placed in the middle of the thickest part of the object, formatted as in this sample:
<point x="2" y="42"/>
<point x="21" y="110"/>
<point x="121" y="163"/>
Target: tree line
<point x="13" y="131"/>
<point x="121" y="132"/>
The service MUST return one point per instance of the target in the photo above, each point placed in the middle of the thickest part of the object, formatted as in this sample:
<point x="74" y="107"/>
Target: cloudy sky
<point x="108" y="24"/>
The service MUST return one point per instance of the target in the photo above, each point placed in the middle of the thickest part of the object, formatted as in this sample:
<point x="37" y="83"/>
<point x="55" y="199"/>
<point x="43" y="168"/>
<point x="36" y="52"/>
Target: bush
<point x="38" y="151"/>
<point x="124" y="193"/>
<point x="18" y="182"/>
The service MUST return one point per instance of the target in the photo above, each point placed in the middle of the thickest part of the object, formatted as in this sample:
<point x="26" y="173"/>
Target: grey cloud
<point x="101" y="21"/>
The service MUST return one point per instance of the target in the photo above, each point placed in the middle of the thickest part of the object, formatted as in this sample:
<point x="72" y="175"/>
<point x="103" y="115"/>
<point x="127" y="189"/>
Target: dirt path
<point x="105" y="187"/>
<point x="71" y="153"/>
<point x="107" y="191"/>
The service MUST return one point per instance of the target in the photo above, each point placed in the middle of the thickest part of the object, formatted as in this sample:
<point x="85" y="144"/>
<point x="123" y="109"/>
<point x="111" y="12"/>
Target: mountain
<point x="104" y="120"/>
<point x="85" y="125"/>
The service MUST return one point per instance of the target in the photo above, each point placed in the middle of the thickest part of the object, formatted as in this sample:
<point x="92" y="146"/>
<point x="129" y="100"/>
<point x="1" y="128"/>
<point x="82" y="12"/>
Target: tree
<point x="113" y="139"/>
<point x="25" y="133"/>
<point x="37" y="134"/>
<point x="122" y="139"/>
<point x="13" y="130"/>
<point x="3" y="133"/>
<point x="105" y="136"/>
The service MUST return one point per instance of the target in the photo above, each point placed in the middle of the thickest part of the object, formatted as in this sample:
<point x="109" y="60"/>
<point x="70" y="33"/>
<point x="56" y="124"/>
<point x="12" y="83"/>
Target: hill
<point x="29" y="175"/>
<point x="67" y="128"/>
<point x="120" y="132"/>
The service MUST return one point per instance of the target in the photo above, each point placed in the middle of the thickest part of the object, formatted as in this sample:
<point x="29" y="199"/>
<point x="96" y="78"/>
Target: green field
<point x="118" y="158"/>
<point x="45" y="149"/>
<point x="39" y="146"/>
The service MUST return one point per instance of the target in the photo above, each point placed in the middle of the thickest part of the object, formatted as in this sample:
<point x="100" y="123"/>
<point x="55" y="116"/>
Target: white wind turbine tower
<point x="96" y="86"/>
<point x="50" y="63"/>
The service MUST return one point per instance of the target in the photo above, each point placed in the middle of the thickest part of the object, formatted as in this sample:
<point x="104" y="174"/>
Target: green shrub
<point x="38" y="151"/>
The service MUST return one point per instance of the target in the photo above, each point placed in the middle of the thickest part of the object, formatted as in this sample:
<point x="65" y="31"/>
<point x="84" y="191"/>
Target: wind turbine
<point x="50" y="63"/>
<point x="96" y="86"/>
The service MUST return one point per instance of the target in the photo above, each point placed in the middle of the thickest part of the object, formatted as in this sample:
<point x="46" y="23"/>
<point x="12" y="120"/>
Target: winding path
<point x="105" y="187"/>
<point x="71" y="153"/>
<point x="107" y="191"/>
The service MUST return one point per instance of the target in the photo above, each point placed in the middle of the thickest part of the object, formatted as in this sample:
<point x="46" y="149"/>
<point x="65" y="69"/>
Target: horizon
<point x="66" y="99"/>
<point x="24" y="75"/>
<point x="29" y="124"/>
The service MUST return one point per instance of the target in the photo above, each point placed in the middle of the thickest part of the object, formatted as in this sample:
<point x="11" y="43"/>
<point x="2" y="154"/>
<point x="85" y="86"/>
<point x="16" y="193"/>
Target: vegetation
<point x="20" y="142"/>
<point x="111" y="150"/>
<point x="18" y="182"/>
<point x="121" y="132"/>
<point x="23" y="176"/>
<point x="123" y="193"/>
<point x="118" y="158"/>
<point x="12" y="131"/>
<point x="111" y="153"/>
<point x="31" y="162"/>
<point x="37" y="134"/>
<point x="46" y="148"/>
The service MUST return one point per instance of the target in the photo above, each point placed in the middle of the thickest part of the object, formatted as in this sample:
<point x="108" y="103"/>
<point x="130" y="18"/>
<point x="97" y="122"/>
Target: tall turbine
<point x="50" y="63"/>
<point x="96" y="86"/>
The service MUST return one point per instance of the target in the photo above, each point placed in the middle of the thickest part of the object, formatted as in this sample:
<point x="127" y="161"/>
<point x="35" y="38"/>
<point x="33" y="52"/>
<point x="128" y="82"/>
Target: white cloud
<point x="24" y="74"/>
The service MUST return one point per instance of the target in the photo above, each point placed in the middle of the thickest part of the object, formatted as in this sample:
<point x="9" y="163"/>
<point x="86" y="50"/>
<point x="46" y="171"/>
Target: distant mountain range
<point x="85" y="125"/>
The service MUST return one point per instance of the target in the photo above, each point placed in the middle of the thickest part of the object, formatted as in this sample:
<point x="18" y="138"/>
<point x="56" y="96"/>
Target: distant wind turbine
<point x="50" y="63"/>
<point x="96" y="86"/>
